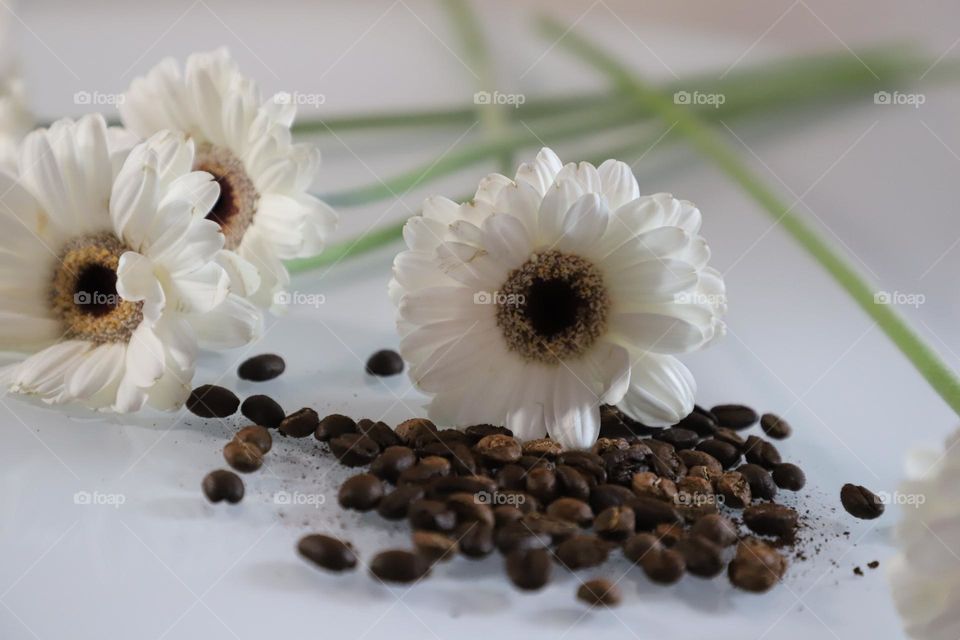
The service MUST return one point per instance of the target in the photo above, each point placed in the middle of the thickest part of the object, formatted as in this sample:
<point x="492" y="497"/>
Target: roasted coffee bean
<point x="475" y="539"/>
<point x="542" y="448"/>
<point x="498" y="449"/>
<point x="334" y="425"/>
<point x="392" y="462"/>
<point x="517" y="535"/>
<point x="699" y="471"/>
<point x="702" y="557"/>
<point x="256" y="436"/>
<point x="266" y="366"/>
<point x="661" y="565"/>
<point x="542" y="484"/>
<point x="263" y="410"/>
<point x="649" y="512"/>
<point x="734" y="416"/>
<point x="555" y="529"/>
<point x="435" y="547"/>
<point x="362" y="492"/>
<point x="756" y="566"/>
<point x="616" y="424"/>
<point x="775" y="426"/>
<point x="399" y="566"/>
<point x="300" y="424"/>
<point x="519" y="499"/>
<point x="723" y="434"/>
<point x="470" y="507"/>
<point x="715" y="528"/>
<point x="443" y="487"/>
<point x="695" y="497"/>
<point x="615" y="523"/>
<point x="771" y="519"/>
<point x="410" y="430"/>
<point x="354" y="449"/>
<point x="761" y="482"/>
<point x="588" y="464"/>
<point x="384" y="363"/>
<point x="623" y="464"/>
<point x="647" y="483"/>
<point x="735" y="490"/>
<point x="609" y="495"/>
<point x="504" y="514"/>
<point x="439" y="438"/>
<point x="699" y="423"/>
<point x="860" y="502"/>
<point x="396" y="504"/>
<point x="599" y="592"/>
<point x="665" y="461"/>
<point x="529" y="463"/>
<point x="668" y="534"/>
<point x="582" y="551"/>
<point x="512" y="476"/>
<point x="759" y="451"/>
<point x="639" y="545"/>
<point x="606" y="445"/>
<point x="379" y="432"/>
<point x="223" y="485"/>
<point x="571" y="483"/>
<point x="529" y="569"/>
<point x="572" y="510"/>
<point x="462" y="460"/>
<point x="327" y="552"/>
<point x="432" y="515"/>
<point x="789" y="476"/>
<point x="245" y="458"/>
<point x="678" y="437"/>
<point x="475" y="433"/>
<point x="211" y="401"/>
<point x="724" y="452"/>
<point x="425" y="471"/>
<point x="693" y="458"/>
<point x="705" y="412"/>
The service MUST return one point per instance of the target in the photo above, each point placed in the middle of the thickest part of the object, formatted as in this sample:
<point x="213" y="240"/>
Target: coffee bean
<point x="693" y="458"/>
<point x="469" y="507"/>
<point x="334" y="425"/>
<point x="223" y="485"/>
<point x="724" y="452"/>
<point x="679" y="438"/>
<point x="609" y="495"/>
<point x="256" y="436"/>
<point x="379" y="432"/>
<point x="606" y="445"/>
<point x="392" y="462"/>
<point x="529" y="569"/>
<point x="695" y="497"/>
<point x="639" y="545"/>
<point x="443" y="487"/>
<point x="582" y="551"/>
<point x="541" y="483"/>
<point x="384" y="363"/>
<point x="723" y="434"/>
<point x="699" y="423"/>
<point x="354" y="449"/>
<point x="555" y="529"/>
<point x="512" y="476"/>
<point x="542" y="448"/>
<point x="517" y="535"/>
<point x="734" y="416"/>
<point x="715" y="528"/>
<point x="394" y="505"/>
<point x="300" y="424"/>
<point x="476" y="433"/>
<point x="649" y="484"/>
<point x="263" y="367"/>
<point x="589" y="465"/>
<point x="622" y="464"/>
<point x="735" y="490"/>
<point x="668" y="534"/>
<point x="245" y="458"/>
<point x="571" y="483"/>
<point x="399" y="566"/>
<point x="761" y="482"/>
<point x="615" y="523"/>
<point x="435" y="547"/>
<point x="475" y="539"/>
<point x="775" y="426"/>
<point x="649" y="512"/>
<point x="262" y="410"/>
<point x="771" y="519"/>
<point x="860" y="502"/>
<point x="789" y="476"/>
<point x="432" y="515"/>
<point x="498" y="449"/>
<point x="410" y="430"/>
<point x="327" y="552"/>
<point x="523" y="501"/>
<point x="702" y="557"/>
<point x="571" y="510"/>
<point x="756" y="566"/>
<point x="362" y="492"/>
<point x="663" y="566"/>
<point x="211" y="401"/>
<point x="599" y="592"/>
<point x="504" y="514"/>
<point x="759" y="451"/>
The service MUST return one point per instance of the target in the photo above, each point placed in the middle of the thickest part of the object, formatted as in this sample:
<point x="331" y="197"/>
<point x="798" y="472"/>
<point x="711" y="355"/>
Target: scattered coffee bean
<point x="761" y="482"/>
<point x="775" y="426"/>
<point x="399" y="566"/>
<point x="476" y="433"/>
<point x="759" y="451"/>
<point x="245" y="458"/>
<point x="668" y="534"/>
<point x="789" y="476"/>
<point x="354" y="449"/>
<point x="362" y="492"/>
<point x="615" y="523"/>
<point x="860" y="502"/>
<point x="649" y="484"/>
<point x="542" y="447"/>
<point x="300" y="424"/>
<point x="571" y="483"/>
<point x="475" y="539"/>
<point x="504" y="514"/>
<point x="327" y="552"/>
<point x="435" y="547"/>
<point x="756" y="566"/>
<point x="639" y="545"/>
<point x="470" y="507"/>
<point x="663" y="566"/>
<point x="432" y="515"/>
<point x="571" y="510"/>
<point x="409" y="431"/>
<point x="694" y="458"/>
<point x="334" y="425"/>
<point x="395" y="505"/>
<point x="263" y="367"/>
<point x="529" y="569"/>
<point x="649" y="512"/>
<point x="554" y="529"/>
<point x="771" y="519"/>
<point x="541" y="483"/>
<point x="223" y="485"/>
<point x="735" y="490"/>
<point x="715" y="528"/>
<point x="702" y="557"/>
<point x="385" y="363"/>
<point x="723" y="434"/>
<point x="392" y="462"/>
<point x="379" y="432"/>
<point x="609" y="495"/>
<point x="695" y="497"/>
<point x="263" y="410"/>
<point x="499" y="449"/>
<point x="734" y="416"/>
<point x="211" y="401"/>
<point x="599" y="592"/>
<point x="256" y="436"/>
<point x="724" y="452"/>
<point x="517" y="535"/>
<point x="699" y="423"/>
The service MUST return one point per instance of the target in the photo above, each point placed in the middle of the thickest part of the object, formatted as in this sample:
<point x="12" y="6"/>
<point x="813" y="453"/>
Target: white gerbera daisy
<point x="109" y="272"/>
<point x="553" y="293"/>
<point x="264" y="208"/>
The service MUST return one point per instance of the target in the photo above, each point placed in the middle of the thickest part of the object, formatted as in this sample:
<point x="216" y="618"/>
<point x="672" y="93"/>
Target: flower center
<point x="553" y="307"/>
<point x="237" y="204"/>
<point x="84" y="291"/>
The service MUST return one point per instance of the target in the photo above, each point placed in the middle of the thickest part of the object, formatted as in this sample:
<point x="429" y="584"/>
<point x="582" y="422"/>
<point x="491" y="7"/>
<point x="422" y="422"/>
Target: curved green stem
<point x="943" y="380"/>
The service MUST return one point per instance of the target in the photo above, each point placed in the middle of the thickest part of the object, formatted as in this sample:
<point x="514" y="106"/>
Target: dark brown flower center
<point x="235" y="208"/>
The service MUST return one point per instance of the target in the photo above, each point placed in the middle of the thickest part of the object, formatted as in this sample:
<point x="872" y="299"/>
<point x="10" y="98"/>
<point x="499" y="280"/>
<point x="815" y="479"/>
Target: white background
<point x="880" y="181"/>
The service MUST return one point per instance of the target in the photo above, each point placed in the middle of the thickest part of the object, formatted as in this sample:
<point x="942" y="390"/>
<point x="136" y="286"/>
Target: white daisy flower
<point x="553" y="293"/>
<point x="264" y="208"/>
<point x="109" y="272"/>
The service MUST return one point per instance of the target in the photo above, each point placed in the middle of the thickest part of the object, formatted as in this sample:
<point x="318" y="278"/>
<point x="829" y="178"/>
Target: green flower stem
<point x="355" y="246"/>
<point x="943" y="380"/>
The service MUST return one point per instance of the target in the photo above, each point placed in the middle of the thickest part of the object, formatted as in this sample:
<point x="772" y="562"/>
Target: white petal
<point x="233" y="323"/>
<point x="573" y="410"/>
<point x="100" y="367"/>
<point x="661" y="391"/>
<point x="656" y="332"/>
<point x="619" y="184"/>
<point x="540" y="173"/>
<point x="584" y="223"/>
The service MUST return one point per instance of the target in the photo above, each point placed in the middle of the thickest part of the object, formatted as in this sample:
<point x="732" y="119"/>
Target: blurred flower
<point x="110" y="274"/>
<point x="264" y="209"/>
<point x="15" y="119"/>
<point x="552" y="293"/>
<point x="925" y="576"/>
